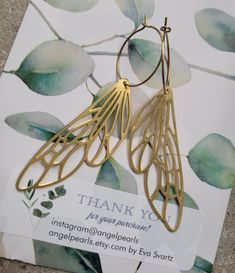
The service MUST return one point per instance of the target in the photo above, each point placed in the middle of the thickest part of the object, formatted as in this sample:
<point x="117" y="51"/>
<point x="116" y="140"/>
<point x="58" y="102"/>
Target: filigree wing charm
<point x="147" y="124"/>
<point x="168" y="186"/>
<point x="86" y="139"/>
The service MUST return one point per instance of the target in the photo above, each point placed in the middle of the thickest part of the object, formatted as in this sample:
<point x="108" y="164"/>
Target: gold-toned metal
<point x="144" y="25"/>
<point x="77" y="138"/>
<point x="157" y="149"/>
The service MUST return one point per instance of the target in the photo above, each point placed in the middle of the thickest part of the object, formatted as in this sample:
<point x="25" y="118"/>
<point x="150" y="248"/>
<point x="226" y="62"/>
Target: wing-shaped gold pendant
<point x="157" y="118"/>
<point x="146" y="123"/>
<point x="86" y="139"/>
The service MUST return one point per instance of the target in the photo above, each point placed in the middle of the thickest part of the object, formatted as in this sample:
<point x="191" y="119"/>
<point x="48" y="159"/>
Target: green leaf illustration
<point x="52" y="195"/>
<point x="102" y="91"/>
<point x="213" y="161"/>
<point x="200" y="266"/>
<point x="47" y="204"/>
<point x="34" y="202"/>
<point x="55" y="67"/>
<point x="25" y="204"/>
<point x="138" y="98"/>
<point x="45" y="214"/>
<point x="217" y="28"/>
<point x="188" y="201"/>
<point x="37" y="212"/>
<point x="113" y="175"/>
<point x="60" y="191"/>
<point x="135" y="10"/>
<point x="29" y="193"/>
<point x="73" y="5"/>
<point x="144" y="55"/>
<point x="37" y="125"/>
<point x="65" y="258"/>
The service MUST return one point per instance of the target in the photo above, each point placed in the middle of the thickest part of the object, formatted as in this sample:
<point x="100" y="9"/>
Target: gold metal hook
<point x="165" y="43"/>
<point x="165" y="28"/>
<point x="118" y="73"/>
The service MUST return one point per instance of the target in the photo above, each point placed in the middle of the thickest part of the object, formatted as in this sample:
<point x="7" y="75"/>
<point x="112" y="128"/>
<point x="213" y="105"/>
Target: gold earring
<point x="86" y="138"/>
<point x="158" y="147"/>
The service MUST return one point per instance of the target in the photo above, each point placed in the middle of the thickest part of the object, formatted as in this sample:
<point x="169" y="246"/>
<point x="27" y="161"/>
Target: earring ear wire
<point x="118" y="73"/>
<point x="158" y="146"/>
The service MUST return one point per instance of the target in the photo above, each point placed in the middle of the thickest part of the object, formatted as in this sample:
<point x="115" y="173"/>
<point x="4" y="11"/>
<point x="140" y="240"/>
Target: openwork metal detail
<point x="158" y="150"/>
<point x="86" y="139"/>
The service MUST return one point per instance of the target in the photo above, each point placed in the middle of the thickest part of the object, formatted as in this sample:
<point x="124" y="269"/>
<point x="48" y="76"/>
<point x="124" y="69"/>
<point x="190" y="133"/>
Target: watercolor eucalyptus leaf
<point x="144" y="55"/>
<point x="52" y="195"/>
<point x="37" y="125"/>
<point x="113" y="175"/>
<point x="60" y="191"/>
<point x="29" y="193"/>
<point x="37" y="212"/>
<point x="73" y="5"/>
<point x="55" y="67"/>
<point x="200" y="266"/>
<point x="135" y="10"/>
<point x="213" y="161"/>
<point x="34" y="202"/>
<point x="138" y="98"/>
<point x="65" y="258"/>
<point x="188" y="201"/>
<point x="47" y="204"/>
<point x="217" y="28"/>
<point x="44" y="215"/>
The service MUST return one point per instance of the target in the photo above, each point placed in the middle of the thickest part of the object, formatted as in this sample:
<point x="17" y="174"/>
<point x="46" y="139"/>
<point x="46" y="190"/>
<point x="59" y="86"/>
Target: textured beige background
<point x="11" y="14"/>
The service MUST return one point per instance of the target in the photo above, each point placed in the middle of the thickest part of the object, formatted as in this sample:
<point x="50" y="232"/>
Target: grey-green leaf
<point x="60" y="191"/>
<point x="37" y="125"/>
<point x="55" y="67"/>
<point x="34" y="202"/>
<point x="188" y="201"/>
<point x="213" y="161"/>
<point x="47" y="204"/>
<point x="37" y="213"/>
<point x="51" y="195"/>
<point x="73" y="5"/>
<point x="113" y="175"/>
<point x="29" y="193"/>
<point x="217" y="28"/>
<point x="135" y="10"/>
<point x="144" y="55"/>
<point x="65" y="258"/>
<point x="26" y="194"/>
<point x="44" y="215"/>
<point x="200" y="266"/>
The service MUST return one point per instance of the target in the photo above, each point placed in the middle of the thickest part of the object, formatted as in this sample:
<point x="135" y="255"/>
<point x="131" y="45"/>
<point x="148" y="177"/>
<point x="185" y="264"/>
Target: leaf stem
<point x="88" y="89"/>
<point x="106" y="40"/>
<point x="46" y="21"/>
<point x="30" y="218"/>
<point x="214" y="72"/>
<point x="9" y="71"/>
<point x="105" y="53"/>
<point x="138" y="267"/>
<point x="95" y="81"/>
<point x="203" y="69"/>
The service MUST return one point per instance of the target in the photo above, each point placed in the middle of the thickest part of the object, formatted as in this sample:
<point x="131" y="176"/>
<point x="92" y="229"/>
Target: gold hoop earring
<point x="158" y="147"/>
<point x="78" y="139"/>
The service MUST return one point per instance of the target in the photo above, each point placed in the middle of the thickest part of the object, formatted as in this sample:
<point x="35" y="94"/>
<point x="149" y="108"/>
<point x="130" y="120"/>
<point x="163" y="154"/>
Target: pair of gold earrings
<point x="87" y="139"/>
